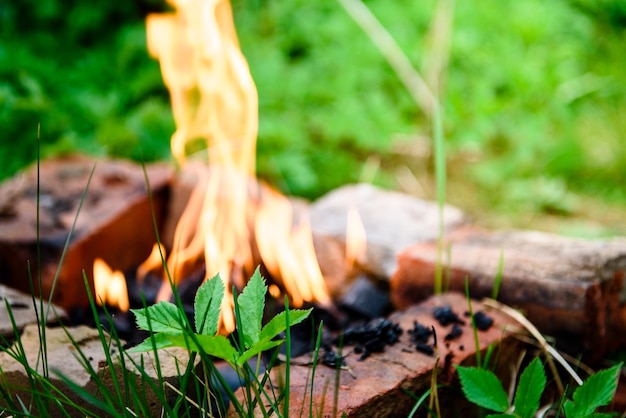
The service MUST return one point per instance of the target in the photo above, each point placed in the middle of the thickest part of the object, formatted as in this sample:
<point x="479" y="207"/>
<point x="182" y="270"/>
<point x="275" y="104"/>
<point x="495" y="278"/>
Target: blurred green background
<point x="533" y="93"/>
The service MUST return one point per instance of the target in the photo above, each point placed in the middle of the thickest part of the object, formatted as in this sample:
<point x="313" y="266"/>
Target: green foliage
<point x="483" y="388"/>
<point x="597" y="391"/>
<point x="531" y="385"/>
<point x="527" y="134"/>
<point x="168" y="325"/>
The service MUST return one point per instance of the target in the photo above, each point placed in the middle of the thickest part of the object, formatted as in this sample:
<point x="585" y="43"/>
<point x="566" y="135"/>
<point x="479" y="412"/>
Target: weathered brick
<point x="114" y="223"/>
<point x="565" y="286"/>
<point x="380" y="383"/>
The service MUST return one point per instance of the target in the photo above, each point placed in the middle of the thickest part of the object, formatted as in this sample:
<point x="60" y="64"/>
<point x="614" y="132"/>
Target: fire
<point x="356" y="239"/>
<point x="152" y="262"/>
<point x="214" y="100"/>
<point x="110" y="286"/>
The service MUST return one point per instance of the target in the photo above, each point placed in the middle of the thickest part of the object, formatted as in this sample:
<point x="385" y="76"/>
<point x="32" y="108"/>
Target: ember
<point x="371" y="337"/>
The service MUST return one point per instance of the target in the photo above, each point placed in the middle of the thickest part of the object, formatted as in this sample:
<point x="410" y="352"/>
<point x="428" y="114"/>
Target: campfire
<point x="215" y="217"/>
<point x="232" y="222"/>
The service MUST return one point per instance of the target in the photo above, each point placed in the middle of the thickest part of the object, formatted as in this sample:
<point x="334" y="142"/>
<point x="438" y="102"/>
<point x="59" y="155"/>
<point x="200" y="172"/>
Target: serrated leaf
<point x="279" y="323"/>
<point x="483" y="388"/>
<point x="160" y="341"/>
<point x="207" y="305"/>
<point x="164" y="317"/>
<point x="598" y="390"/>
<point x="568" y="409"/>
<point x="256" y="349"/>
<point x="532" y="382"/>
<point x="217" y="346"/>
<point x="251" y="304"/>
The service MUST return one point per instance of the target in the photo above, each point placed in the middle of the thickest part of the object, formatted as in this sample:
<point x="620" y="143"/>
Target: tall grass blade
<point x="474" y="329"/>
<point x="288" y="358"/>
<point x="498" y="279"/>
<point x="440" y="176"/>
<point x="318" y="343"/>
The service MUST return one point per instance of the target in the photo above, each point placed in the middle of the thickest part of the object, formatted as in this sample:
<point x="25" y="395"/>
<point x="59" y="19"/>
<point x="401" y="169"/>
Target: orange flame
<point x="356" y="239"/>
<point x="214" y="99"/>
<point x="151" y="263"/>
<point x="110" y="286"/>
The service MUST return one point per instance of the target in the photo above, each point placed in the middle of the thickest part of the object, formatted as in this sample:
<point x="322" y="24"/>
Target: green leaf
<point x="207" y="305"/>
<point x="279" y="323"/>
<point x="217" y="346"/>
<point x="251" y="304"/>
<point x="160" y="341"/>
<point x="598" y="390"/>
<point x="483" y="388"/>
<point x="531" y="385"/>
<point x="502" y="416"/>
<point x="164" y="317"/>
<point x="256" y="349"/>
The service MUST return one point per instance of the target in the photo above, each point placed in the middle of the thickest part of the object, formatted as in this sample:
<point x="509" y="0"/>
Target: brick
<point x="380" y="382"/>
<point x="63" y="359"/>
<point x="567" y="287"/>
<point x="115" y="222"/>
<point x="22" y="311"/>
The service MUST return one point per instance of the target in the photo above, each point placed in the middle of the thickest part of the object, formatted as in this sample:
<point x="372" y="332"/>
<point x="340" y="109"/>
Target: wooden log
<point x="115" y="223"/>
<point x="567" y="287"/>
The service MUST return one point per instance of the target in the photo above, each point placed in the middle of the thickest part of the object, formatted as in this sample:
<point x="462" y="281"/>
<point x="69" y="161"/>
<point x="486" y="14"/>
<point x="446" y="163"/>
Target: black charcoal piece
<point x="446" y="316"/>
<point x="454" y="333"/>
<point x="372" y="336"/>
<point x="366" y="299"/>
<point x="483" y="321"/>
<point x="425" y="348"/>
<point x="420" y="333"/>
<point x="332" y="358"/>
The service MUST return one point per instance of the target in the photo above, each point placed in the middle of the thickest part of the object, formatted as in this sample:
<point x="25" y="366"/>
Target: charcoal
<point x="446" y="316"/>
<point x="366" y="299"/>
<point x="332" y="358"/>
<point x="425" y="348"/>
<point x="454" y="333"/>
<point x="483" y="321"/>
<point x="371" y="337"/>
<point x="420" y="333"/>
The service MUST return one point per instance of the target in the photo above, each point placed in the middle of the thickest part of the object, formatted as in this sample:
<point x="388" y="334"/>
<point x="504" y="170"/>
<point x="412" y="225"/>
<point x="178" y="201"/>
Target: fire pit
<point x="137" y="236"/>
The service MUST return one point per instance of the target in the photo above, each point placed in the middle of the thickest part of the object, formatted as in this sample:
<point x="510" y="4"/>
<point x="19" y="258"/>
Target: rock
<point x="392" y="222"/>
<point x="72" y="360"/>
<point x="378" y="385"/>
<point x="566" y="286"/>
<point x="114" y="223"/>
<point x="22" y="311"/>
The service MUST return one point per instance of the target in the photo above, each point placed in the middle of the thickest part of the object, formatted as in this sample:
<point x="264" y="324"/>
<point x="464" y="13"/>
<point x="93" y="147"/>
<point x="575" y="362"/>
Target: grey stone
<point x="392" y="222"/>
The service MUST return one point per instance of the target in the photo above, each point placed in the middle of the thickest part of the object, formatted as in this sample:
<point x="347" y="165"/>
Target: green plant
<point x="483" y="388"/>
<point x="169" y="327"/>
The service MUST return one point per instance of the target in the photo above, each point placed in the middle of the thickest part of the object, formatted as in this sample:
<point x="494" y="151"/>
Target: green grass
<point x="533" y="96"/>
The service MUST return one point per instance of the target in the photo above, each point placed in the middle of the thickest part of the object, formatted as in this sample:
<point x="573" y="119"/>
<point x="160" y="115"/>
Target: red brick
<point x="115" y="222"/>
